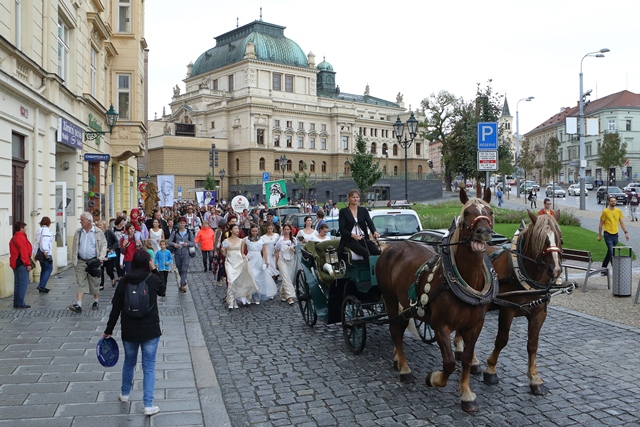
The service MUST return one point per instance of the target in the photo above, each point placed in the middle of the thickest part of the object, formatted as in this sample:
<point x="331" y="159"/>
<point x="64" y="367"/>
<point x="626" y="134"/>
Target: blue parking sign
<point x="487" y="136"/>
<point x="266" y="176"/>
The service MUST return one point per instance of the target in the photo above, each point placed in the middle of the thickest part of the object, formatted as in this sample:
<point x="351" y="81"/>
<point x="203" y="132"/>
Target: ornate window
<point x="124" y="16"/>
<point x="385" y="150"/>
<point x="324" y="167"/>
<point x="260" y="136"/>
<point x="312" y="166"/>
<point x="276" y="165"/>
<point x="347" y="168"/>
<point x="289" y="165"/>
<point x="323" y="143"/>
<point x="261" y="163"/>
<point x="300" y="166"/>
<point x="374" y="148"/>
<point x="277" y="81"/>
<point x="395" y="149"/>
<point x="124" y="95"/>
<point x="63" y="50"/>
<point x="312" y="143"/>
<point x="289" y="141"/>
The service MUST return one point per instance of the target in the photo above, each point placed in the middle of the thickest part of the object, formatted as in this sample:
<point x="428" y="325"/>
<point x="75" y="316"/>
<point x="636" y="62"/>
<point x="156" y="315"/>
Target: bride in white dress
<point x="257" y="255"/>
<point x="286" y="259"/>
<point x="270" y="239"/>
<point x="239" y="278"/>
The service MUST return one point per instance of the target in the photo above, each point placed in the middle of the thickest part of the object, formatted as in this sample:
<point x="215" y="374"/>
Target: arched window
<point x="374" y="148"/>
<point x="395" y="149"/>
<point x="419" y="170"/>
<point x="385" y="149"/>
<point x="237" y="164"/>
<point x="395" y="171"/>
<point x="300" y="166"/>
<point x="324" y="167"/>
<point x="276" y="165"/>
<point x="289" y="165"/>
<point x="261" y="163"/>
<point x="312" y="166"/>
<point x="347" y="168"/>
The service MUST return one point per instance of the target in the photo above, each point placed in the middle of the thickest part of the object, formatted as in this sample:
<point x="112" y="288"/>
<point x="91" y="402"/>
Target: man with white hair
<point x="89" y="248"/>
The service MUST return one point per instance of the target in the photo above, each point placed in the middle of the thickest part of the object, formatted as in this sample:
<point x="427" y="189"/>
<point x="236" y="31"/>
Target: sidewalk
<point x="50" y="376"/>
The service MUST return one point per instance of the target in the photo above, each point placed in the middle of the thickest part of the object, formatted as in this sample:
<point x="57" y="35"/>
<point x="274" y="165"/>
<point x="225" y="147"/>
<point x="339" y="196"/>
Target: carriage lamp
<point x="331" y="260"/>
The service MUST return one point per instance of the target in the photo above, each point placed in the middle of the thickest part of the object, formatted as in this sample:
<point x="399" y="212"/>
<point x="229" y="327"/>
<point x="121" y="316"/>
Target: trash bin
<point x="622" y="277"/>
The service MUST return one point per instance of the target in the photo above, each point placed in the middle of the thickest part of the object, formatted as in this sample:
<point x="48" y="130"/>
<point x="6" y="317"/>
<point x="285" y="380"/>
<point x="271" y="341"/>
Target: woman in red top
<point x="128" y="246"/>
<point x="20" y="260"/>
<point x="205" y="238"/>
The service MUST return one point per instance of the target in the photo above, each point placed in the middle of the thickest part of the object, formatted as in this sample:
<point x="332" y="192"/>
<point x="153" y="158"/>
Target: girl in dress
<point x="270" y="239"/>
<point x="156" y="234"/>
<point x="286" y="261"/>
<point x="307" y="233"/>
<point x="323" y="234"/>
<point x="258" y="260"/>
<point x="239" y="278"/>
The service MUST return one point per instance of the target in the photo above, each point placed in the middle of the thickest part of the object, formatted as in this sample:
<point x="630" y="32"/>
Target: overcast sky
<point x="528" y="48"/>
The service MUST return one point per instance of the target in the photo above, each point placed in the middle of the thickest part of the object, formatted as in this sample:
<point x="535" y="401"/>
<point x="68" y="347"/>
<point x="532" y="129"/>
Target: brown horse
<point x="526" y="275"/>
<point x="448" y="298"/>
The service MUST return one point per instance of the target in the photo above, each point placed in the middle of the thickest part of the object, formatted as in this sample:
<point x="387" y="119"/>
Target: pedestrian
<point x="119" y="231"/>
<point x="156" y="233"/>
<point x="547" y="208"/>
<point x="108" y="264"/>
<point x="128" y="245"/>
<point x="286" y="261"/>
<point x="334" y="212"/>
<point x="138" y="332"/>
<point x="634" y="200"/>
<point x="532" y="198"/>
<point x="307" y="233"/>
<point x="157" y="214"/>
<point x="499" y="196"/>
<point x="609" y="219"/>
<point x="20" y="250"/>
<point x="270" y="238"/>
<point x="217" y="251"/>
<point x="240" y="282"/>
<point x="323" y="234"/>
<point x="270" y="219"/>
<point x="164" y="261"/>
<point x="257" y="256"/>
<point x="43" y="242"/>
<point x="141" y="228"/>
<point x="206" y="239"/>
<point x="319" y="219"/>
<point x="245" y="221"/>
<point x="182" y="239"/>
<point x="89" y="248"/>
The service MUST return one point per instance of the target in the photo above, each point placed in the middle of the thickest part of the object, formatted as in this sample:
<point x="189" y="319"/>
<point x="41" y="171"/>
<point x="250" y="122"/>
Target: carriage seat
<point x="318" y="249"/>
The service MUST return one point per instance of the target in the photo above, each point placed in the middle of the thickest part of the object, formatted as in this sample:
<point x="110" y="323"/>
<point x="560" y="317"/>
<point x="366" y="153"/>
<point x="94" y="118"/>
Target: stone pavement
<point x="50" y="376"/>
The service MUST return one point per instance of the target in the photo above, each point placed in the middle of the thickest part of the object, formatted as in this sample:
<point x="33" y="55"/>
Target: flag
<point x="626" y="163"/>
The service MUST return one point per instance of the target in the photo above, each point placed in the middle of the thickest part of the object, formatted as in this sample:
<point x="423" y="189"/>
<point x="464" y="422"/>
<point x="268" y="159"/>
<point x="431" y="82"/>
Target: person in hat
<point x="182" y="239"/>
<point x="276" y="227"/>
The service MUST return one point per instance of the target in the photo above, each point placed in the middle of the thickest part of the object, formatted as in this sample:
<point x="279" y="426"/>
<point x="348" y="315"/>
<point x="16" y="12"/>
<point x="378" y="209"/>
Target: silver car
<point x="554" y="191"/>
<point x="574" y="190"/>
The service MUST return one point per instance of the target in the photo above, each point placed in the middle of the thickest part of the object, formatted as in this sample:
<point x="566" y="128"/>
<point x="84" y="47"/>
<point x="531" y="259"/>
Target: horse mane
<point x="478" y="203"/>
<point x="534" y="237"/>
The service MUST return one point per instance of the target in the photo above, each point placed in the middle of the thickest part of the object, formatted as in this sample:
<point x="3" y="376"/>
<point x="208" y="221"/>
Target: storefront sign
<point x="94" y="157"/>
<point x="69" y="134"/>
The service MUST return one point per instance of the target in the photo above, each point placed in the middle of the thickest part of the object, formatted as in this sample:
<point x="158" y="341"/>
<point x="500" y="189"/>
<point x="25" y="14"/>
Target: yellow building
<point x="62" y="65"/>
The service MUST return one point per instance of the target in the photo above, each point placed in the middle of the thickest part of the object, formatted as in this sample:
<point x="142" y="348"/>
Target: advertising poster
<point x="165" y="189"/>
<point x="276" y="193"/>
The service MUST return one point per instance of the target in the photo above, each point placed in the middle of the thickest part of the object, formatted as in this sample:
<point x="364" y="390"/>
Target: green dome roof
<point x="325" y="66"/>
<point x="270" y="45"/>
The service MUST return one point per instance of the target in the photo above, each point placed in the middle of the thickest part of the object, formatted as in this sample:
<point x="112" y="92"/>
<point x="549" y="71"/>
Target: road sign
<point x="180" y="191"/>
<point x="487" y="160"/>
<point x="487" y="136"/>
<point x="266" y="176"/>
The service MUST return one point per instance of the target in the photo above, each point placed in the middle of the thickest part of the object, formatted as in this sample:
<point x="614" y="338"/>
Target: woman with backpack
<point x="181" y="240"/>
<point x="140" y="325"/>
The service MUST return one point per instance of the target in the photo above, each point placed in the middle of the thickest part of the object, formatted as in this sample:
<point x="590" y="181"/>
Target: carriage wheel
<point x="305" y="302"/>
<point x="425" y="331"/>
<point x="355" y="334"/>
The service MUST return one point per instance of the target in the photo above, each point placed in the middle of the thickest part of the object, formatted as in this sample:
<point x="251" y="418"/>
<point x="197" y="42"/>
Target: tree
<point x="611" y="153"/>
<point x="303" y="179"/>
<point x="209" y="182"/>
<point x="552" y="163"/>
<point x="364" y="169"/>
<point x="505" y="167"/>
<point x="527" y="159"/>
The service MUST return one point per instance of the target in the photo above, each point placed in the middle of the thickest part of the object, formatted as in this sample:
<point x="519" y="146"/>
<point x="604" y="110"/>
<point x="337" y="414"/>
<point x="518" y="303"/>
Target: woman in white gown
<point x="323" y="234"/>
<point x="239" y="278"/>
<point x="270" y="239"/>
<point x="155" y="235"/>
<point x="258" y="259"/>
<point x="307" y="233"/>
<point x="286" y="260"/>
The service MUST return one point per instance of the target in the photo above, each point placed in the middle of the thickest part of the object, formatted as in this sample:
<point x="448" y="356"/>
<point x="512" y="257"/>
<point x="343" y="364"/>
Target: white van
<point x="396" y="224"/>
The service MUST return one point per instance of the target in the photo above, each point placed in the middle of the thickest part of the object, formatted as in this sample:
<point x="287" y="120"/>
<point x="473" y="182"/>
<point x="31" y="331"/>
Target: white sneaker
<point x="151" y="410"/>
<point x="123" y="398"/>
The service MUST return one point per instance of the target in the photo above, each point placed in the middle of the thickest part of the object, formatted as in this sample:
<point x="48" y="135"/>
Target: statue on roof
<point x="399" y="97"/>
<point x="176" y="90"/>
<point x="366" y="90"/>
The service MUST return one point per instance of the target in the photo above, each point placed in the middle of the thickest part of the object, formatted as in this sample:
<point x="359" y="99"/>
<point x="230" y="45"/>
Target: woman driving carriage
<point x="353" y="222"/>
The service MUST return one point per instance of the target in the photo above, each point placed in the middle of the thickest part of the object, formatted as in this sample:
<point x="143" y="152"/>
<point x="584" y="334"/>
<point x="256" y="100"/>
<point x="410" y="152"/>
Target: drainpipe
<point x="35" y="211"/>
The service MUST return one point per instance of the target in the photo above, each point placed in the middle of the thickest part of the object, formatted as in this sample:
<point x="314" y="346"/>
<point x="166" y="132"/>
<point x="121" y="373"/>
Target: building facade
<point x="62" y="65"/>
<point x="258" y="97"/>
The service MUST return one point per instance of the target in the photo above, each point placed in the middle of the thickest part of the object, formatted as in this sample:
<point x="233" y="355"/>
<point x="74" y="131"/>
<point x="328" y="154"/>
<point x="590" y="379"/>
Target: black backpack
<point x="137" y="303"/>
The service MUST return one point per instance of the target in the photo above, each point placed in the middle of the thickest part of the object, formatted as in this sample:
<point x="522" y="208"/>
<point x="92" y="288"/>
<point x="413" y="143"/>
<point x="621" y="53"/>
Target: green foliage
<point x="505" y="167"/>
<point x="209" y="182"/>
<point x="303" y="179"/>
<point x="552" y="163"/>
<point x="364" y="169"/>
<point x="527" y="157"/>
<point x="612" y="152"/>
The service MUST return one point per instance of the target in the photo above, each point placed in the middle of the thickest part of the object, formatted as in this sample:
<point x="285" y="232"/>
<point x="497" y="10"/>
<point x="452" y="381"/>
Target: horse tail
<point x="411" y="326"/>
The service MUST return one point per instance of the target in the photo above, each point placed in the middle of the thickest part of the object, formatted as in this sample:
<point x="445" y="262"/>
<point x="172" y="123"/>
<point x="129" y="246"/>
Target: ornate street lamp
<point x="527" y="99"/>
<point x="112" y="118"/>
<point x="222" y="172"/>
<point x="582" y="130"/>
<point x="283" y="164"/>
<point x="398" y="128"/>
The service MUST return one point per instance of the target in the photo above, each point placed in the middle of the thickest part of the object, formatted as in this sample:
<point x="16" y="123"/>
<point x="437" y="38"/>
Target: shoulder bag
<point x="40" y="256"/>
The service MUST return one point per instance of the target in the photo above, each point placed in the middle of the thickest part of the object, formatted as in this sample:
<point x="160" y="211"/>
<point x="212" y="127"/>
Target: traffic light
<point x="211" y="158"/>
<point x="215" y="152"/>
<point x="213" y="155"/>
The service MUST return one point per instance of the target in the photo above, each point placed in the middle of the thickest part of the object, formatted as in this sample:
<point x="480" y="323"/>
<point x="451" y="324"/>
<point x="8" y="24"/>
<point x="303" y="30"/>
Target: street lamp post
<point x="283" y="164"/>
<point x="582" y="130"/>
<point x="222" y="173"/>
<point x="398" y="128"/>
<point x="112" y="118"/>
<point x="529" y="98"/>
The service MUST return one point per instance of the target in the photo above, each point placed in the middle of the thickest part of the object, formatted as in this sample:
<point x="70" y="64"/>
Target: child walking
<point x="163" y="260"/>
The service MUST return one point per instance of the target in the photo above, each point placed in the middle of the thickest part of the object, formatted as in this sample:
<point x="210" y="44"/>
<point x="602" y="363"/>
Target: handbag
<point x="40" y="256"/>
<point x="192" y="251"/>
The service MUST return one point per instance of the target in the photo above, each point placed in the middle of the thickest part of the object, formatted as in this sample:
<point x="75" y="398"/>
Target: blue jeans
<point x="149" y="348"/>
<point x="611" y="240"/>
<point x="46" y="268"/>
<point x="20" y="284"/>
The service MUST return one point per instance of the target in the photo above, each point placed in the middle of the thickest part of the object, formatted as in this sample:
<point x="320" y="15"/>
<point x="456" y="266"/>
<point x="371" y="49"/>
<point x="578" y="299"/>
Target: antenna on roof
<point x="237" y="22"/>
<point x="261" y="13"/>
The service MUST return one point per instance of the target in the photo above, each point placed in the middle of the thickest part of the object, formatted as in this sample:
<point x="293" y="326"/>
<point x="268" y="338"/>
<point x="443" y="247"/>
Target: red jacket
<point x="205" y="237"/>
<point x="19" y="246"/>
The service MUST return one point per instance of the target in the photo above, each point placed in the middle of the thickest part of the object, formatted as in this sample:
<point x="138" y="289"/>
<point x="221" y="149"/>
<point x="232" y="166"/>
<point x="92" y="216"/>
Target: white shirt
<point x="87" y="243"/>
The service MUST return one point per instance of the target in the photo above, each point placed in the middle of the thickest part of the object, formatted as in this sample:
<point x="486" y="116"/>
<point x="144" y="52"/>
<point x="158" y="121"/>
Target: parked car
<point x="554" y="191"/>
<point x="574" y="190"/>
<point x="526" y="186"/>
<point x="395" y="224"/>
<point x="434" y="238"/>
<point x="602" y="192"/>
<point x="631" y="187"/>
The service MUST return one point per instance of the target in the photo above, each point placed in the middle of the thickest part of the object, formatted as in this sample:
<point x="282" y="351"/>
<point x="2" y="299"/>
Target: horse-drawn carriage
<point x="442" y="293"/>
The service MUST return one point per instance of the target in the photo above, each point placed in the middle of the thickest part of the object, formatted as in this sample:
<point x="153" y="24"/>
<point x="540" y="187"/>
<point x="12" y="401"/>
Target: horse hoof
<point x="395" y="365"/>
<point x="470" y="406"/>
<point x="538" y="389"/>
<point x="428" y="380"/>
<point x="491" y="379"/>
<point x="458" y="355"/>
<point x="407" y="378"/>
<point x="475" y="370"/>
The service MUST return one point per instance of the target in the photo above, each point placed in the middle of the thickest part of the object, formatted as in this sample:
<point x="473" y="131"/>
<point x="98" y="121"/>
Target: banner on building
<point x="165" y="189"/>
